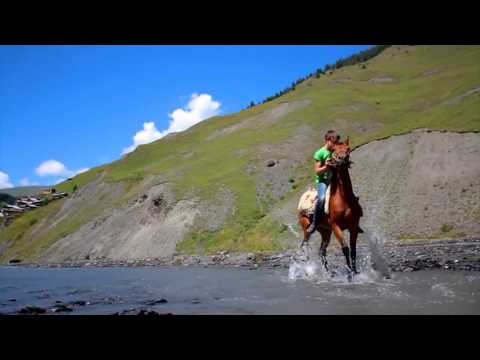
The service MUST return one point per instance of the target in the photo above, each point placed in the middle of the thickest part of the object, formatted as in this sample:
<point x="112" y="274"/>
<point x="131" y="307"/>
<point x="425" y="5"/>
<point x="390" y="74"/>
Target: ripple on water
<point x="443" y="290"/>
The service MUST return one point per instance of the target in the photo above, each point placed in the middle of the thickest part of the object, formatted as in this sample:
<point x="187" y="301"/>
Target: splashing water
<point x="313" y="270"/>
<point x="292" y="230"/>
<point x="304" y="271"/>
<point x="443" y="290"/>
<point x="371" y="264"/>
<point x="377" y="261"/>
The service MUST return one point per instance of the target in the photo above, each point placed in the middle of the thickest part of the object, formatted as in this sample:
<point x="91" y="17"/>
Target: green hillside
<point x="403" y="88"/>
<point x="24" y="190"/>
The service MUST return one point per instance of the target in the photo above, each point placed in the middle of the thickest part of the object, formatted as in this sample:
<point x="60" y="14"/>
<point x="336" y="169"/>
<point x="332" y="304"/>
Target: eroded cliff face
<point x="424" y="184"/>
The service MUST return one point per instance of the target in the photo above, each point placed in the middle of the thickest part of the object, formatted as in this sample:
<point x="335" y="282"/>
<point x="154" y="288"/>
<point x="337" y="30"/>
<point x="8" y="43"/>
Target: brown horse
<point x="344" y="210"/>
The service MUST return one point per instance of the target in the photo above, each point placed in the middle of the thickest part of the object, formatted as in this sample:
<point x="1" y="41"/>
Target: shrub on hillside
<point x="7" y="199"/>
<point x="328" y="69"/>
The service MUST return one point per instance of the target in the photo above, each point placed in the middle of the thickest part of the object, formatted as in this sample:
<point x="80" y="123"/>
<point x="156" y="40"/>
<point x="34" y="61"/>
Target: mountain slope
<point x="210" y="188"/>
<point x="24" y="190"/>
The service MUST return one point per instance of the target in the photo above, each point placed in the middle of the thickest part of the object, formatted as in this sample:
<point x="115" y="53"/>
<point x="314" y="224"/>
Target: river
<point x="215" y="290"/>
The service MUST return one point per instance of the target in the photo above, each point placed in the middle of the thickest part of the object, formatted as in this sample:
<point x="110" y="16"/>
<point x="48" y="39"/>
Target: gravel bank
<point x="412" y="256"/>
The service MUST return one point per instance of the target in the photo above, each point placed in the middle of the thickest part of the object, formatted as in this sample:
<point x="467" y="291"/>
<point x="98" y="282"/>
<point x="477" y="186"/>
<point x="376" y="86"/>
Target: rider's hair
<point x="332" y="135"/>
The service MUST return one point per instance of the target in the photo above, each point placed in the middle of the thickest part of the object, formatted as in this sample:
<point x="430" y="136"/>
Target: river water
<point x="302" y="289"/>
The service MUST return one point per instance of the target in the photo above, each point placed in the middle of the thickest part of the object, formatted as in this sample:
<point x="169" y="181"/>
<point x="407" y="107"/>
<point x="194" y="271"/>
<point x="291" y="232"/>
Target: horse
<point x="344" y="210"/>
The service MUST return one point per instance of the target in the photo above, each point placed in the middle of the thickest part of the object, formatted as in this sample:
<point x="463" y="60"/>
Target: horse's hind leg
<point x="326" y="235"/>
<point x="304" y="223"/>
<point x="345" y="249"/>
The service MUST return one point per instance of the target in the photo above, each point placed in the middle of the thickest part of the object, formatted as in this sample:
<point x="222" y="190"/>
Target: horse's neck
<point x="343" y="183"/>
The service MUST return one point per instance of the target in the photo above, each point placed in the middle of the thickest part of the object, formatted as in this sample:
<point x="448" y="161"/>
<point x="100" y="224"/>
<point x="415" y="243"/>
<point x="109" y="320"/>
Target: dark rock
<point x="31" y="310"/>
<point x="61" y="308"/>
<point x="271" y="163"/>
<point x="78" y="303"/>
<point x="140" y="312"/>
<point x="155" y="302"/>
<point x="15" y="261"/>
<point x="12" y="299"/>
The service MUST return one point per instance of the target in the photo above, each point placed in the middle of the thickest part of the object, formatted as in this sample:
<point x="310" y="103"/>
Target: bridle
<point x="339" y="162"/>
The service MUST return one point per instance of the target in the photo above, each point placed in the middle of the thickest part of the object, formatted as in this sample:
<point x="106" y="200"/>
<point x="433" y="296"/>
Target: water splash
<point x="305" y="271"/>
<point x="376" y="260"/>
<point x="375" y="237"/>
<point x="443" y="290"/>
<point x="292" y="230"/>
<point x="371" y="264"/>
<point x="314" y="271"/>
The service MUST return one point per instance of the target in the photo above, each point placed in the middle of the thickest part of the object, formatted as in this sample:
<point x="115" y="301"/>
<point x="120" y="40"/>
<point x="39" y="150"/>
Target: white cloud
<point x="25" y="182"/>
<point x="5" y="181"/>
<point x="56" y="168"/>
<point x="145" y="136"/>
<point x="81" y="171"/>
<point x="199" y="108"/>
<point x="52" y="168"/>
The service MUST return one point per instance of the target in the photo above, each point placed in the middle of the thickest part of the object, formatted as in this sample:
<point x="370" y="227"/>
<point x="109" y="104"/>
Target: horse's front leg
<point x="346" y="251"/>
<point x="353" y="248"/>
<point x="326" y="235"/>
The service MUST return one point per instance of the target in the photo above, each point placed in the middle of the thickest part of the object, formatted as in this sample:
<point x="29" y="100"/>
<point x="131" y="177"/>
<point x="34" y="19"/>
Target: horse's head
<point x="341" y="154"/>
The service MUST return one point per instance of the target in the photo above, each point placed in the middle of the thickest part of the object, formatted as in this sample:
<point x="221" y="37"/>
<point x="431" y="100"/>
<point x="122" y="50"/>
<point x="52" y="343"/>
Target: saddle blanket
<point x="308" y="201"/>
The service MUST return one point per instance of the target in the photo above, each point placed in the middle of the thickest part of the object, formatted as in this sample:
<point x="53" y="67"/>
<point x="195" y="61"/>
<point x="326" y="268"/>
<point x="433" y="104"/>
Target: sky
<point x="65" y="109"/>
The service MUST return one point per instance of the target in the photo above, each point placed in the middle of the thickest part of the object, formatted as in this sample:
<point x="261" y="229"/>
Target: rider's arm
<point x="319" y="168"/>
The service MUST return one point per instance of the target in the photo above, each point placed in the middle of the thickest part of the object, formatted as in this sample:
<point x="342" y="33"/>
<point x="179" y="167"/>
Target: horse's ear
<point x="347" y="142"/>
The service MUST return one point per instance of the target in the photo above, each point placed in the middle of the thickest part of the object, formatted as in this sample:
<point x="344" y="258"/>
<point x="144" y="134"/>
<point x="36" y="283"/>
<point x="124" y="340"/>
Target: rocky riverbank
<point x="400" y="257"/>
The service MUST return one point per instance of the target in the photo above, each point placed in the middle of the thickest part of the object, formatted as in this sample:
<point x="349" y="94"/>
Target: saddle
<point x="309" y="199"/>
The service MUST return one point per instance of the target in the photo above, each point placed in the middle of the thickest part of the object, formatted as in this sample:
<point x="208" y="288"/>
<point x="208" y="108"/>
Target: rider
<point x="323" y="173"/>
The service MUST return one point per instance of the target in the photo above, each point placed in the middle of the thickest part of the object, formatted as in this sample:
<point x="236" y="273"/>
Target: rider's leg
<point x="321" y="189"/>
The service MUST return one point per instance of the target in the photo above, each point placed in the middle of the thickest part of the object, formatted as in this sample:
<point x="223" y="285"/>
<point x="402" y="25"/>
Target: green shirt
<point x="322" y="155"/>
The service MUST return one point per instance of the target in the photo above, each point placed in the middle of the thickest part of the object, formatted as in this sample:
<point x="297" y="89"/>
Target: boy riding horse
<point x="323" y="163"/>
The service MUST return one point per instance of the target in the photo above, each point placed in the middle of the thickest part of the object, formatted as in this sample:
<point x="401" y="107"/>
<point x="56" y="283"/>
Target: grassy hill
<point x="403" y="88"/>
<point x="24" y="190"/>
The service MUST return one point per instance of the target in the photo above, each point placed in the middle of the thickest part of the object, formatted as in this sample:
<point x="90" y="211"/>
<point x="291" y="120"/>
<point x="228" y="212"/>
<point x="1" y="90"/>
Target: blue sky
<point x="81" y="106"/>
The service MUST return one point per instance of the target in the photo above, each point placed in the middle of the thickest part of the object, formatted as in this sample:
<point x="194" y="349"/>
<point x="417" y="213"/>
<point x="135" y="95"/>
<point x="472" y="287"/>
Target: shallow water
<point x="191" y="290"/>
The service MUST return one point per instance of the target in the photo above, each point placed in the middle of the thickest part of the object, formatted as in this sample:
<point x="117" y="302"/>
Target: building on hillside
<point x="12" y="208"/>
<point x="49" y="191"/>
